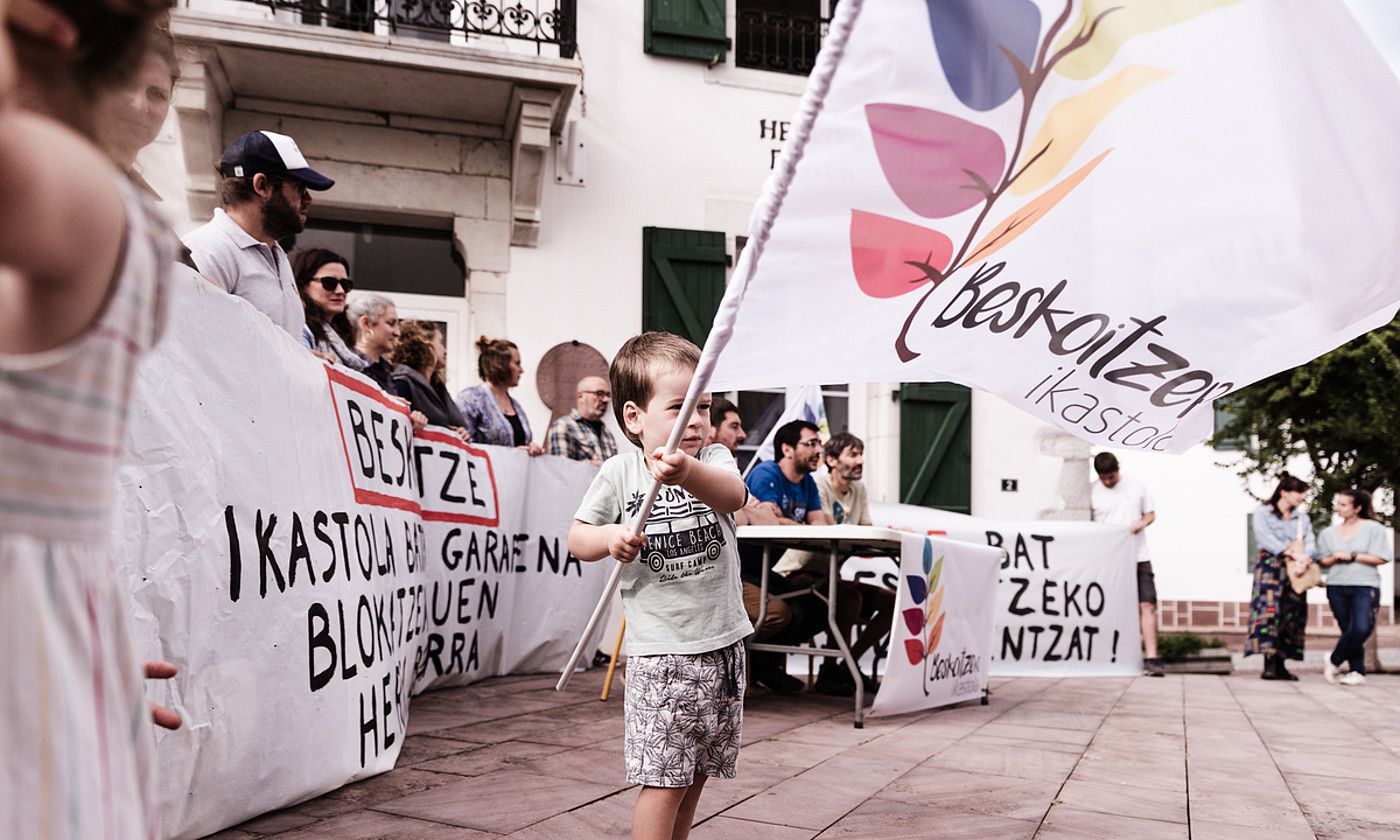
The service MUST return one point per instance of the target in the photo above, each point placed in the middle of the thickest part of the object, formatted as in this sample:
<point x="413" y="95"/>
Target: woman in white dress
<point x="83" y="261"/>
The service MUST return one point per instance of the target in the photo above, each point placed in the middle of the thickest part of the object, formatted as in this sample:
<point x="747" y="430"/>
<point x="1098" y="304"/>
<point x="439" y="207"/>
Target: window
<point x="837" y="402"/>
<point x="762" y="409"/>
<point x="780" y="35"/>
<point x="389" y="258"/>
<point x="1223" y="417"/>
<point x="690" y="29"/>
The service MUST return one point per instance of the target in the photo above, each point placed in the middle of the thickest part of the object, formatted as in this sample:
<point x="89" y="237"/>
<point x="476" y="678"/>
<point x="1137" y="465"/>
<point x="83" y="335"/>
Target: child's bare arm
<point x="594" y="542"/>
<point x="721" y="489"/>
<point x="60" y="224"/>
<point x="60" y="230"/>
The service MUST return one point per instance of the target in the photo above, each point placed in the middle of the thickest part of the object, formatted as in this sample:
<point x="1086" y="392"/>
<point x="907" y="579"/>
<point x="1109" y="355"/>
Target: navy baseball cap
<point x="271" y="154"/>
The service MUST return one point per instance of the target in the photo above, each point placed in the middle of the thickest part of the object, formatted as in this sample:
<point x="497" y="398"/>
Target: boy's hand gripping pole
<point x="637" y="526"/>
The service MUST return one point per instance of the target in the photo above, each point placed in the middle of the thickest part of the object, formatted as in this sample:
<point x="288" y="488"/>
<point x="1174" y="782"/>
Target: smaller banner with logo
<point x="1066" y="603"/>
<point x="940" y="648"/>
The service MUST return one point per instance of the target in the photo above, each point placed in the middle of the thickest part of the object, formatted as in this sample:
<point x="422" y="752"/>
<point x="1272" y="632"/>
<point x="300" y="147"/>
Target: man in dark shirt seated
<point x="788" y="484"/>
<point x="785" y="621"/>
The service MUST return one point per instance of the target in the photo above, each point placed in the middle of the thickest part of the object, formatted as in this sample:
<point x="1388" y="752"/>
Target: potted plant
<point x="1190" y="653"/>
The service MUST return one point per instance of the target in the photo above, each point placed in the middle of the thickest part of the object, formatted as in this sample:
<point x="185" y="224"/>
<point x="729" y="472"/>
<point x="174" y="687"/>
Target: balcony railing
<point x="538" y="21"/>
<point x="780" y="41"/>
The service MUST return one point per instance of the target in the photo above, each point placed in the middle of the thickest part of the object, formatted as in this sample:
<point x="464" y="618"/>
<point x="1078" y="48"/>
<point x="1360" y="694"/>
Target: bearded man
<point x="265" y="195"/>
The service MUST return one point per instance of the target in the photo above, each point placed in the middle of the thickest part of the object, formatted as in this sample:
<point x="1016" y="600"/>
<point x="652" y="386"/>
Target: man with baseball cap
<point x="265" y="194"/>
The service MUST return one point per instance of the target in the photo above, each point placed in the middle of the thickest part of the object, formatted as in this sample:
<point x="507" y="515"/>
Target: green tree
<point x="1341" y="411"/>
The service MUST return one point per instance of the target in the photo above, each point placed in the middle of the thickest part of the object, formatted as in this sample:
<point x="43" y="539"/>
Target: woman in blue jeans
<point x="1351" y="553"/>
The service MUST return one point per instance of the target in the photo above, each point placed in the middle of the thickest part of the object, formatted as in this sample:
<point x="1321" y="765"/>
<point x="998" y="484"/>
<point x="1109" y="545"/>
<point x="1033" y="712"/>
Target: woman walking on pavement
<point x="1277" y="614"/>
<point x="1352" y="553"/>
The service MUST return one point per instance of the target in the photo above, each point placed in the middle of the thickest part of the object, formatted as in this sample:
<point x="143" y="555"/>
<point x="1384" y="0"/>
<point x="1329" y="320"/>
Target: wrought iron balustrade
<point x="784" y="42"/>
<point x="539" y="21"/>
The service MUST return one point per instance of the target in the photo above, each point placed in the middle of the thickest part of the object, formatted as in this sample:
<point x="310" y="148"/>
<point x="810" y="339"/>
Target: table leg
<point x="763" y="591"/>
<point x="832" y="574"/>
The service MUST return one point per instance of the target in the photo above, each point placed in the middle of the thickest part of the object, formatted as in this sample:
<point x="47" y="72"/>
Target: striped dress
<point x="77" y="739"/>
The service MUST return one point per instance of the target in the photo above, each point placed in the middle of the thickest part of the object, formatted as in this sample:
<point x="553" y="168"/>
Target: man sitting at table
<point x="786" y="620"/>
<point x="788" y="484"/>
<point x="842" y="493"/>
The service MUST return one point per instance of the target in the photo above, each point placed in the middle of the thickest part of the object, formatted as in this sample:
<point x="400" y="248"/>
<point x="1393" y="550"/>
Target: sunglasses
<point x="278" y="183"/>
<point x="329" y="283"/>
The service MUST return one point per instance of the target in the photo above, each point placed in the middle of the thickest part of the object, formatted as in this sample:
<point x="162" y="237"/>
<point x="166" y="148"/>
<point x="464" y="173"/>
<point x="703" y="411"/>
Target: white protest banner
<point x="941" y="644"/>
<point x="1066" y="593"/>
<point x="310" y="564"/>
<point x="1055" y="200"/>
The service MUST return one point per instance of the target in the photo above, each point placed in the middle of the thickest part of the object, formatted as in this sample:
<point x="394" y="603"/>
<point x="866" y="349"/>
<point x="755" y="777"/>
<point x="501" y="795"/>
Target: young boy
<point x="684" y="606"/>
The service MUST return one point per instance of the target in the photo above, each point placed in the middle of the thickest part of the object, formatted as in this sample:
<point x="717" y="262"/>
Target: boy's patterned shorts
<point x="683" y="714"/>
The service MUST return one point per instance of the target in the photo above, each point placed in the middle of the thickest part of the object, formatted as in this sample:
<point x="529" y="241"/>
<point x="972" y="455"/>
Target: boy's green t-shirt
<point x="682" y="594"/>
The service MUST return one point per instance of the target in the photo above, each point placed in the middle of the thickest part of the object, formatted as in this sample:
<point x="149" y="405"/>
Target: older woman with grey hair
<point x="376" y="323"/>
<point x="375" y="320"/>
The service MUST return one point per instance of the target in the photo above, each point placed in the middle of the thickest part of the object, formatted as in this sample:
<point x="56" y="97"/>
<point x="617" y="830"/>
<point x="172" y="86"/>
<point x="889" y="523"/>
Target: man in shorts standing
<point x="1116" y="500"/>
<point x="684" y="702"/>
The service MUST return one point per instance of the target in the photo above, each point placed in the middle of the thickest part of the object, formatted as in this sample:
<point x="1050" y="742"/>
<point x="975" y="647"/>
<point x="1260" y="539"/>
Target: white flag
<point x="1108" y="212"/>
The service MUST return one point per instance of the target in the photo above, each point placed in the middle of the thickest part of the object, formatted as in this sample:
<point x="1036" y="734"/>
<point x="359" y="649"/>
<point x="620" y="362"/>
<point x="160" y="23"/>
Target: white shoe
<point x="1330" y="672"/>
<point x="1352" y="678"/>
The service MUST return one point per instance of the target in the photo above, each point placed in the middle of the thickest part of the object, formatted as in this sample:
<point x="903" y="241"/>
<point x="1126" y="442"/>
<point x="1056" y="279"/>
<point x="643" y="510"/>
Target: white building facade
<point x="566" y="174"/>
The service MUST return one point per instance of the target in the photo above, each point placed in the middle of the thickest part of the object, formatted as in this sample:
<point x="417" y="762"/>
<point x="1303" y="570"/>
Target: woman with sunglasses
<point x="323" y="281"/>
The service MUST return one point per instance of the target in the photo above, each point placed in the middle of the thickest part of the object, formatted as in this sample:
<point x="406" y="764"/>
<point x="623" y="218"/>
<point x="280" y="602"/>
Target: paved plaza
<point x="1198" y="757"/>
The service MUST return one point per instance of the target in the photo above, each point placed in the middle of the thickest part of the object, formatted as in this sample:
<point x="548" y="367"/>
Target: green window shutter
<point x="693" y="29"/>
<point x="682" y="280"/>
<point x="935" y="446"/>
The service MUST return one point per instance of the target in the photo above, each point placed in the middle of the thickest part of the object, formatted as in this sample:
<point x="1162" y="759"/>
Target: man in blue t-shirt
<point x="787" y="482"/>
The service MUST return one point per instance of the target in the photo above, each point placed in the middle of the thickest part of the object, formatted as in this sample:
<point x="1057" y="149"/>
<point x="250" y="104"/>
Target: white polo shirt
<point x="255" y="271"/>
<point x="1123" y="504"/>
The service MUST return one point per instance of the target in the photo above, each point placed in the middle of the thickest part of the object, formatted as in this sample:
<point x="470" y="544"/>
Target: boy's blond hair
<point x="636" y="366"/>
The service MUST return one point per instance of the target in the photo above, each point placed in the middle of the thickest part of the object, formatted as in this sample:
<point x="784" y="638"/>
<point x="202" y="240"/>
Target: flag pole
<point x="761" y="226"/>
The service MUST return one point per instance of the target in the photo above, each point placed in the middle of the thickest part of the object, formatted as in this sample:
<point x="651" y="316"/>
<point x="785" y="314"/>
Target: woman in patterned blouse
<point x="1277" y="614"/>
<point x="492" y="414"/>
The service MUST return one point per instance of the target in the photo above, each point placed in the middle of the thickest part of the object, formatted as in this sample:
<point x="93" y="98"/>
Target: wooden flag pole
<point x="774" y="192"/>
<point x="612" y="663"/>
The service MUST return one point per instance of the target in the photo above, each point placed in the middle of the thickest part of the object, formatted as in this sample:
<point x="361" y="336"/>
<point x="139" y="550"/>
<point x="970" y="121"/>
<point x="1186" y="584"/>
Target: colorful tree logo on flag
<point x="941" y="165"/>
<point x="926" y="593"/>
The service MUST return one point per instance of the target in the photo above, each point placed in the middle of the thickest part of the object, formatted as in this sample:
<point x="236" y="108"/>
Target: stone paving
<point x="1206" y="758"/>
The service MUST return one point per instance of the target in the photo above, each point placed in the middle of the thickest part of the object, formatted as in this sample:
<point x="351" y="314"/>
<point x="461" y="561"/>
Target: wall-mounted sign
<point x="775" y="130"/>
